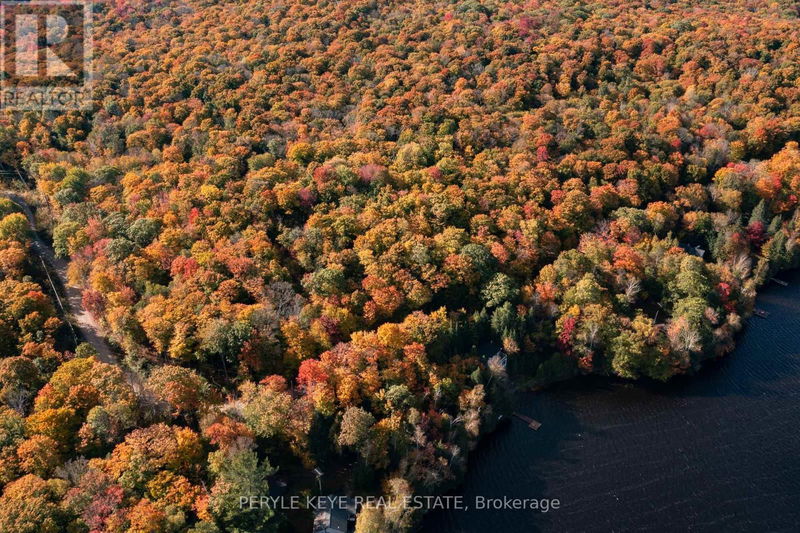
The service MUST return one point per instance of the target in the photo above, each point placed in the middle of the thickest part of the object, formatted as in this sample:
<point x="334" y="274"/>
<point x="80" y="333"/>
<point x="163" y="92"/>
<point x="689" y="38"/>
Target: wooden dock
<point x="533" y="424"/>
<point x="760" y="313"/>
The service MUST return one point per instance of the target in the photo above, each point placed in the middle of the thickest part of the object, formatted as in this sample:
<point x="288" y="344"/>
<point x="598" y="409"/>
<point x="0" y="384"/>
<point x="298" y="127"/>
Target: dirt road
<point x="81" y="320"/>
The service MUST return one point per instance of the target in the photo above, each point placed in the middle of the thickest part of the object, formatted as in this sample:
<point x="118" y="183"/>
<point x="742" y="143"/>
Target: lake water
<point x="717" y="451"/>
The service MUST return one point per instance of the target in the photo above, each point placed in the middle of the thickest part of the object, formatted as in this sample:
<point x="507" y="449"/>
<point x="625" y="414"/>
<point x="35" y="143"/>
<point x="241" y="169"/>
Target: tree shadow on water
<point x="510" y="463"/>
<point x="621" y="454"/>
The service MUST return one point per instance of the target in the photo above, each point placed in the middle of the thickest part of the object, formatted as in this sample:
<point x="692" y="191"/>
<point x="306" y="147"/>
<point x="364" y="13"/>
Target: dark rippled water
<point x="718" y="451"/>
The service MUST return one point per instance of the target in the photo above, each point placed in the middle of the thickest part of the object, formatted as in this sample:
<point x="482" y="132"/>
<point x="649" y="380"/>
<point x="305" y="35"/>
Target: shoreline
<point x="602" y="410"/>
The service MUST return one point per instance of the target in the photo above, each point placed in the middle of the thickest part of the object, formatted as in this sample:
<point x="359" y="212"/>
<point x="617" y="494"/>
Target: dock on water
<point x="780" y="282"/>
<point x="761" y="313"/>
<point x="533" y="424"/>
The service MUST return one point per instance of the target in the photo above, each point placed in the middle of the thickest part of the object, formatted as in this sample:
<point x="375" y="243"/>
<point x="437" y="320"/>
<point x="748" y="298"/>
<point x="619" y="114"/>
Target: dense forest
<point x="308" y="226"/>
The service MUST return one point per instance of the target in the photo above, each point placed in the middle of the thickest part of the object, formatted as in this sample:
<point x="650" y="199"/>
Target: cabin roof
<point x="694" y="250"/>
<point x="332" y="519"/>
